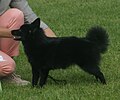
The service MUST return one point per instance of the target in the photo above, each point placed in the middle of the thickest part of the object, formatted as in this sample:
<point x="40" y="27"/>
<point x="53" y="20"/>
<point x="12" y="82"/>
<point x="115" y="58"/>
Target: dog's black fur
<point x="47" y="53"/>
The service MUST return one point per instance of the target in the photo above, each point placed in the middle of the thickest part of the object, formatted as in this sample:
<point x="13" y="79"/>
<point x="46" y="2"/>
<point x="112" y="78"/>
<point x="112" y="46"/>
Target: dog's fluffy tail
<point x="99" y="36"/>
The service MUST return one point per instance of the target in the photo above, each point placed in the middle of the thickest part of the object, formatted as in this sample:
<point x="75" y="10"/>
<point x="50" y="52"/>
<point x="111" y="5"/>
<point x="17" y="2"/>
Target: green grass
<point x="66" y="18"/>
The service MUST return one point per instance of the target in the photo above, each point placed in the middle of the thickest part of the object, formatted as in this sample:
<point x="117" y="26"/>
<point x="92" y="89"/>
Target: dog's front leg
<point x="43" y="77"/>
<point x="35" y="77"/>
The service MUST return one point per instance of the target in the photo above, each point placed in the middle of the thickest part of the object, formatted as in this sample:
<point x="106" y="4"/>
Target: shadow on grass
<point x="74" y="79"/>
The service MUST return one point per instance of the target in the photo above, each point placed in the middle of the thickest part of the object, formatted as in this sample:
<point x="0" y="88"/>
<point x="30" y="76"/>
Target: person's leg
<point x="7" y="65"/>
<point x="7" y="68"/>
<point x="12" y="19"/>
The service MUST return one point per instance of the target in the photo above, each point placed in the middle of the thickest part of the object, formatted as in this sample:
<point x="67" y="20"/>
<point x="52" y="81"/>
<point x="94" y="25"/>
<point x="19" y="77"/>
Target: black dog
<point x="47" y="53"/>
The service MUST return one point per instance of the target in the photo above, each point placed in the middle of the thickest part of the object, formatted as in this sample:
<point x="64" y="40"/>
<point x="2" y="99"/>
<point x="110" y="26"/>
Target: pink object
<point x="11" y="19"/>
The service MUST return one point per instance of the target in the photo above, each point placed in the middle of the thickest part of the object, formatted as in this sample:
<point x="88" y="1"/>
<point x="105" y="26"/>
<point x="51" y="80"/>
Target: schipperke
<point x="49" y="53"/>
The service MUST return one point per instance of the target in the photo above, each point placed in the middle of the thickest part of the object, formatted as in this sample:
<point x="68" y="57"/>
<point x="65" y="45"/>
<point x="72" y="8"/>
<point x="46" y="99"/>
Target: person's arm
<point x="29" y="15"/>
<point x="22" y="5"/>
<point x="5" y="33"/>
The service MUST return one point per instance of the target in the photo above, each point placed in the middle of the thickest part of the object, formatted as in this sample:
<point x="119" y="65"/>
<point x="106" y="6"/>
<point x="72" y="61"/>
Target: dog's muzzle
<point x="16" y="35"/>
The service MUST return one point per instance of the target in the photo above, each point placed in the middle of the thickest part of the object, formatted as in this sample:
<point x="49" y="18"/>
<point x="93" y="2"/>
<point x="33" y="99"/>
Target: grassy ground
<point x="66" y="18"/>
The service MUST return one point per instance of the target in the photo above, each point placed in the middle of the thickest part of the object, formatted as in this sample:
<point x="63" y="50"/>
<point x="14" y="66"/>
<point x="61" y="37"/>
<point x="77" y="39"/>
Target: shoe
<point x="15" y="79"/>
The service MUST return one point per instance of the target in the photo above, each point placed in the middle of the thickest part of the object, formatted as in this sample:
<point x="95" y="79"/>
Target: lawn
<point x="67" y="18"/>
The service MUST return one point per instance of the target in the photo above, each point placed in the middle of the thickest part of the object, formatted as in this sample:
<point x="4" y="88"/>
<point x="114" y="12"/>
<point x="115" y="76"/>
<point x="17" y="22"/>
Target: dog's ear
<point x="36" y="23"/>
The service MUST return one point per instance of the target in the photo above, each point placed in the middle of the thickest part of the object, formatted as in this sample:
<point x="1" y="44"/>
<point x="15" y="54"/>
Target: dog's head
<point x="26" y="31"/>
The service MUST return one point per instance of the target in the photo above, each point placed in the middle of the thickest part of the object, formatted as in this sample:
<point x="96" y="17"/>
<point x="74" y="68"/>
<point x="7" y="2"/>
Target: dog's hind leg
<point x="35" y="77"/>
<point x="100" y="76"/>
<point x="94" y="70"/>
<point x="43" y="77"/>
